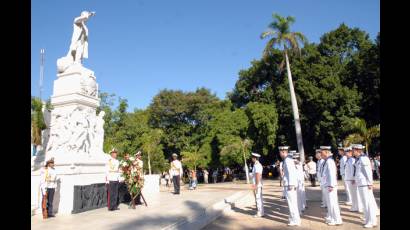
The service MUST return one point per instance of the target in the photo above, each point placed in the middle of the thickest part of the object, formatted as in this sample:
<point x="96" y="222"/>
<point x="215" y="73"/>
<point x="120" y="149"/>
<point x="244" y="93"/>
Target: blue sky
<point x="138" y="47"/>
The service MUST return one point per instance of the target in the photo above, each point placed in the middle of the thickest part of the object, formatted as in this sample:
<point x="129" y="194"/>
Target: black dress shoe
<point x="51" y="216"/>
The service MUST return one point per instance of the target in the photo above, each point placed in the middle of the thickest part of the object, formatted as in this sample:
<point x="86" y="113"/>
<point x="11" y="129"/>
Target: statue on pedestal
<point x="79" y="43"/>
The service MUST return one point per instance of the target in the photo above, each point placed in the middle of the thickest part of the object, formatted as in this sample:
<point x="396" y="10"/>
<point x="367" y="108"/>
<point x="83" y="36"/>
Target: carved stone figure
<point x="79" y="43"/>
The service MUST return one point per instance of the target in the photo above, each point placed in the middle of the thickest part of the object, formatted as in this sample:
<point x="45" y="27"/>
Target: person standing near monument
<point x="137" y="180"/>
<point x="329" y="180"/>
<point x="311" y="168"/>
<point x="257" y="184"/>
<point x="48" y="184"/>
<point x="289" y="183"/>
<point x="176" y="173"/>
<point x="349" y="178"/>
<point x="111" y="178"/>
<point x="206" y="173"/>
<point x="319" y="164"/>
<point x="300" y="190"/>
<point x="364" y="180"/>
<point x="343" y="160"/>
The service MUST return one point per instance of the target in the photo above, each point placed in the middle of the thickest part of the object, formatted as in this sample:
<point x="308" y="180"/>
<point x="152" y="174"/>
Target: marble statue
<point x="79" y="43"/>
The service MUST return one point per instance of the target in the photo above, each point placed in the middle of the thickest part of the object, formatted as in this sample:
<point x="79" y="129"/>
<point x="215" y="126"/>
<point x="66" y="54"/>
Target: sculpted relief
<point x="79" y="131"/>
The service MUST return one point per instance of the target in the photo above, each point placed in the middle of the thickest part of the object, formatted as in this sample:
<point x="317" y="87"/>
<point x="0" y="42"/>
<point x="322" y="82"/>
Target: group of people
<point x="355" y="170"/>
<point x="129" y="171"/>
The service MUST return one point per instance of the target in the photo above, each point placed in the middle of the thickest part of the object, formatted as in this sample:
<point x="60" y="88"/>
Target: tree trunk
<point x="149" y="164"/>
<point x="295" y="112"/>
<point x="246" y="167"/>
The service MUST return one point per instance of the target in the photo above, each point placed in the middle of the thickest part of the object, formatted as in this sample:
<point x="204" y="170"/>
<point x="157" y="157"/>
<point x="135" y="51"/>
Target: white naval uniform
<point x="342" y="174"/>
<point x="48" y="179"/>
<point x="351" y="186"/>
<point x="301" y="196"/>
<point x="329" y="179"/>
<point x="364" y="178"/>
<point x="281" y="172"/>
<point x="257" y="168"/>
<point x="290" y="181"/>
<point x="112" y="171"/>
<point x="320" y="179"/>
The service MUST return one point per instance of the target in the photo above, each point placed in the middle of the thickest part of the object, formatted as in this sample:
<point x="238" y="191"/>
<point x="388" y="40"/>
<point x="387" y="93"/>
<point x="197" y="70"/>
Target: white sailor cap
<point x="325" y="147"/>
<point x="357" y="146"/>
<point x="174" y="155"/>
<point x="347" y="149"/>
<point x="256" y="155"/>
<point x="341" y="148"/>
<point x="295" y="155"/>
<point x="113" y="150"/>
<point x="137" y="153"/>
<point x="283" y="147"/>
<point x="318" y="150"/>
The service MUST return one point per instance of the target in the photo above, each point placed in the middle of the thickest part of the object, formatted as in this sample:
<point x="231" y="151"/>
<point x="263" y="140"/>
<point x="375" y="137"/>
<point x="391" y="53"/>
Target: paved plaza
<point x="167" y="211"/>
<point x="195" y="209"/>
<point x="276" y="212"/>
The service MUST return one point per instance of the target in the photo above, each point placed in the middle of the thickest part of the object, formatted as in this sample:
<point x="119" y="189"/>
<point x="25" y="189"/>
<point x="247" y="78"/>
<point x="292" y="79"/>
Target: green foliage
<point x="336" y="81"/>
<point x="263" y="124"/>
<point x="193" y="157"/>
<point x="37" y="120"/>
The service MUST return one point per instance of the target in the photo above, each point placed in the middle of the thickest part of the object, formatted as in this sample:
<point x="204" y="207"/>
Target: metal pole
<point x="41" y="72"/>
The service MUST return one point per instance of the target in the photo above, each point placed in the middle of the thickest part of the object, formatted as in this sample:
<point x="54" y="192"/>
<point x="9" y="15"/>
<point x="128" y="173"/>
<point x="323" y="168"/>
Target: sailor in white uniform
<point x="319" y="164"/>
<point x="343" y="160"/>
<point x="301" y="184"/>
<point x="364" y="180"/>
<point x="329" y="180"/>
<point x="349" y="178"/>
<point x="290" y="183"/>
<point x="257" y="184"/>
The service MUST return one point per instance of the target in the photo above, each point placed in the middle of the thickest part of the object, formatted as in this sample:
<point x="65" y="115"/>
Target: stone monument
<point x="75" y="131"/>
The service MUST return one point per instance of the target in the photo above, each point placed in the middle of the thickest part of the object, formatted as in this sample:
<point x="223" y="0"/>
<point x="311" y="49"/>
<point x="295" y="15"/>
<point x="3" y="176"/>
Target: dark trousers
<point x="176" y="180"/>
<point x="50" y="198"/>
<point x="313" y="179"/>
<point x="113" y="195"/>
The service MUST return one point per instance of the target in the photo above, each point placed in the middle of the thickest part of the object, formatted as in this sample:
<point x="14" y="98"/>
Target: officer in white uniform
<point x="112" y="177"/>
<point x="301" y="197"/>
<point x="364" y="180"/>
<point x="343" y="160"/>
<point x="48" y="184"/>
<point x="329" y="180"/>
<point x="257" y="184"/>
<point x="319" y="176"/>
<point x="290" y="183"/>
<point x="349" y="178"/>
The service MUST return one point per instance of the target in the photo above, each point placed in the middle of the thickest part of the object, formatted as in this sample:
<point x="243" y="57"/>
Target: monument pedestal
<point x="75" y="140"/>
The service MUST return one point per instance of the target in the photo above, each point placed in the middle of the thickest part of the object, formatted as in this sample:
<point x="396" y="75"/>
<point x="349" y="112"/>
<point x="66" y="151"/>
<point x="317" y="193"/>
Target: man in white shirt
<point x="48" y="184"/>
<point x="343" y="160"/>
<point x="112" y="177"/>
<point x="311" y="168"/>
<point x="364" y="180"/>
<point x="290" y="183"/>
<point x="329" y="181"/>
<point x="257" y="184"/>
<point x="349" y="178"/>
<point x="176" y="172"/>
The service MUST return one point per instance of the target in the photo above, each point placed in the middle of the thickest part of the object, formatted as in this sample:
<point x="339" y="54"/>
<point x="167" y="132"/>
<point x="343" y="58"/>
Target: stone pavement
<point x="166" y="211"/>
<point x="276" y="211"/>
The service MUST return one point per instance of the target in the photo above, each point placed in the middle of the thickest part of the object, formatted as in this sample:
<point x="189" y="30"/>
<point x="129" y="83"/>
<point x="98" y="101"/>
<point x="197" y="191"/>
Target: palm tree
<point x="281" y="36"/>
<point x="361" y="133"/>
